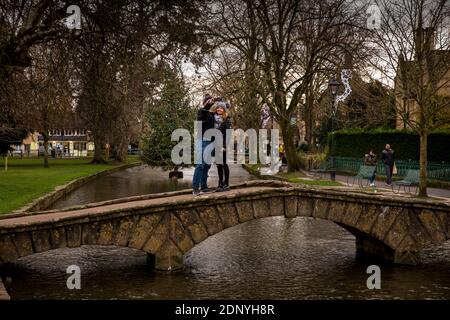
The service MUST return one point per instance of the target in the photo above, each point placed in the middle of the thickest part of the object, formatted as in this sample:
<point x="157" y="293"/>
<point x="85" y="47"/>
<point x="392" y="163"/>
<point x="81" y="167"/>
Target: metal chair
<point x="365" y="172"/>
<point x="323" y="168"/>
<point x="411" y="180"/>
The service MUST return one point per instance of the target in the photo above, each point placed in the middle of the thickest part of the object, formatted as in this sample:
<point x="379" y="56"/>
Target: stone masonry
<point x="3" y="293"/>
<point x="166" y="226"/>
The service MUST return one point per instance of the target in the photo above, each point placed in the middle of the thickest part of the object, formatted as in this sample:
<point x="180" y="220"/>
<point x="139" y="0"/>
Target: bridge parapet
<point x="168" y="225"/>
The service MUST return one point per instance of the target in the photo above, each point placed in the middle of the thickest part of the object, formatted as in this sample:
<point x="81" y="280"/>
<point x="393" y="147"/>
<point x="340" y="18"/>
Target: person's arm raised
<point x="228" y="123"/>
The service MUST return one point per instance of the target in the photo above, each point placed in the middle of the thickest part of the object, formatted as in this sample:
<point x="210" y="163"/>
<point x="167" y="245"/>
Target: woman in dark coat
<point x="222" y="122"/>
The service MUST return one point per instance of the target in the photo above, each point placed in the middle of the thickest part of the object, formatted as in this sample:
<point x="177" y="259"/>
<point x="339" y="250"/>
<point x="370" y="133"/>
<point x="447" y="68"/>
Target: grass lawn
<point x="295" y="178"/>
<point x="27" y="179"/>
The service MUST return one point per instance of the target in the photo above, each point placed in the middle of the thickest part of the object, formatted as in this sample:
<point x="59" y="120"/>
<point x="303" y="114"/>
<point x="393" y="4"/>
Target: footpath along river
<point x="270" y="258"/>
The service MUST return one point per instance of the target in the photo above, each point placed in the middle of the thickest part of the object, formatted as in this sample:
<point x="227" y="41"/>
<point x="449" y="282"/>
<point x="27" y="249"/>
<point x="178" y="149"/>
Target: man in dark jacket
<point x="199" y="181"/>
<point x="387" y="157"/>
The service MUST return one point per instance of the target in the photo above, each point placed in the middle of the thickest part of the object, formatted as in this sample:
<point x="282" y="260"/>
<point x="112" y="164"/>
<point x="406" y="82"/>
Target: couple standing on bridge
<point x="214" y="114"/>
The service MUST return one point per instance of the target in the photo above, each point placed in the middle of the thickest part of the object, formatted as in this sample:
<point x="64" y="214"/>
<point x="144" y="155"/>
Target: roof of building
<point x="65" y="138"/>
<point x="437" y="66"/>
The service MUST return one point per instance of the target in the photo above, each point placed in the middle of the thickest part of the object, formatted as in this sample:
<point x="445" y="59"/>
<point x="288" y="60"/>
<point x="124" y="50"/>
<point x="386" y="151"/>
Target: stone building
<point x="436" y="65"/>
<point x="67" y="142"/>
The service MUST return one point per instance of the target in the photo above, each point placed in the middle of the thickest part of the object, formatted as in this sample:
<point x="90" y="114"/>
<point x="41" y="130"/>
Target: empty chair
<point x="411" y="180"/>
<point x="364" y="173"/>
<point x="323" y="168"/>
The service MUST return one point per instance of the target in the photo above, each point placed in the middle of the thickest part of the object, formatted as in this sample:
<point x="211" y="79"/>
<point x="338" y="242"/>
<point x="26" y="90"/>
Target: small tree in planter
<point x="168" y="110"/>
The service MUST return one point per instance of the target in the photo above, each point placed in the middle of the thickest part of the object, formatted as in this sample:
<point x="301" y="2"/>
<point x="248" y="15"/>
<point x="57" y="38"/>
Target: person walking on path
<point x="205" y="116"/>
<point x="222" y="122"/>
<point x="387" y="157"/>
<point x="370" y="159"/>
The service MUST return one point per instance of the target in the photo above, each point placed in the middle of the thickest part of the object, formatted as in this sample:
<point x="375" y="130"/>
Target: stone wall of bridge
<point x="3" y="293"/>
<point x="169" y="225"/>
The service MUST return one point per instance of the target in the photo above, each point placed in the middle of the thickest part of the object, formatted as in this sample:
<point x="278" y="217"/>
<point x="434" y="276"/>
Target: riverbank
<point x="294" y="177"/>
<point x="341" y="179"/>
<point x="27" y="185"/>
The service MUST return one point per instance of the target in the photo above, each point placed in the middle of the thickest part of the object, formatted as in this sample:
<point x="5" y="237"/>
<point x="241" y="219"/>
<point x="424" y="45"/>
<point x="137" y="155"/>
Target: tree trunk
<point x="46" y="137"/>
<point x="423" y="165"/>
<point x="107" y="151"/>
<point x="98" y="152"/>
<point x="309" y="128"/>
<point x="308" y="115"/>
<point x="292" y="156"/>
<point x="120" y="154"/>
<point x="121" y="151"/>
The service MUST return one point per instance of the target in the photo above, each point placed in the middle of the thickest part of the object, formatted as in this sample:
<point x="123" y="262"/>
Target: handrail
<point x="435" y="170"/>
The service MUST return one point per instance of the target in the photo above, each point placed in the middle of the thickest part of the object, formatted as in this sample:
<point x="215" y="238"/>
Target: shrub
<point x="356" y="142"/>
<point x="303" y="146"/>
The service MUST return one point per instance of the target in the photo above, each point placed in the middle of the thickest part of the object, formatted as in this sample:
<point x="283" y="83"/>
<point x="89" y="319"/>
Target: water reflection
<point x="270" y="258"/>
<point x="140" y="180"/>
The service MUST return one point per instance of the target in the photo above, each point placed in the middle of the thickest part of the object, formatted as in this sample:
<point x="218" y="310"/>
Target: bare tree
<point x="25" y="25"/>
<point x="229" y="75"/>
<point x="22" y="25"/>
<point x="232" y="63"/>
<point x="295" y="40"/>
<point x="116" y="39"/>
<point x="123" y="42"/>
<point x="47" y="92"/>
<point x="414" y="54"/>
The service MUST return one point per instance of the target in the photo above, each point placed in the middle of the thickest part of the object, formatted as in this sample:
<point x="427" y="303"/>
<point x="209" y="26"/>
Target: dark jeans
<point x="372" y="178"/>
<point x="224" y="172"/>
<point x="389" y="169"/>
<point x="199" y="181"/>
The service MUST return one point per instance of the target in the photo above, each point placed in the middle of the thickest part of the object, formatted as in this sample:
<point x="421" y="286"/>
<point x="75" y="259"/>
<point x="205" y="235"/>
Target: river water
<point x="270" y="258"/>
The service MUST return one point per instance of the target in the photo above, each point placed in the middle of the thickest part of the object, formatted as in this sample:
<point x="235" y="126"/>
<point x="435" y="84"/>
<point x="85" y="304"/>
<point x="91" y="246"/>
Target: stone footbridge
<point x="168" y="225"/>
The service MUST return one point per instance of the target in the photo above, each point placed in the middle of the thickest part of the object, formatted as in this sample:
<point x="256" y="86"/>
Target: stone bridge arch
<point x="166" y="226"/>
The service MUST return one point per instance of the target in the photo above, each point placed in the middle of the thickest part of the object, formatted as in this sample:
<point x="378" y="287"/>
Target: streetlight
<point x="333" y="85"/>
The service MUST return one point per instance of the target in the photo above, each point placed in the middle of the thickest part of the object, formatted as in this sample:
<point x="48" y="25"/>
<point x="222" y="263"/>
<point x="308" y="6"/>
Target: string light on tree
<point x="346" y="75"/>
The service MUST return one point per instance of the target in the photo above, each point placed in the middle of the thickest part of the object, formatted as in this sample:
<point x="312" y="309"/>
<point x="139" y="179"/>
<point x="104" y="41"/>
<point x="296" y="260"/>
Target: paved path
<point x="433" y="192"/>
<point x="55" y="215"/>
<point x="237" y="175"/>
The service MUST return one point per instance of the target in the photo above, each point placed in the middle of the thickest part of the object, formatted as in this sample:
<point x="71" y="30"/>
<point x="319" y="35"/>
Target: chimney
<point x="425" y="40"/>
<point x="429" y="38"/>
<point x="348" y="61"/>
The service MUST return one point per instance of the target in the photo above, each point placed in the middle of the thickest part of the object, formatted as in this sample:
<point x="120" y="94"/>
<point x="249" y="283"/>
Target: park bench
<point x="324" y="167"/>
<point x="365" y="172"/>
<point x="411" y="179"/>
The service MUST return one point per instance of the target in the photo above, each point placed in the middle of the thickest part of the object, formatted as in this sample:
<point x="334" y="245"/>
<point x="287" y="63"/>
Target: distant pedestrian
<point x="387" y="157"/>
<point x="282" y="154"/>
<point x="370" y="159"/>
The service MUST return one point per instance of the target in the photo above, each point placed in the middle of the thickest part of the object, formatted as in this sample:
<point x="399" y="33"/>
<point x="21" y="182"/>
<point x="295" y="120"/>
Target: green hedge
<point x="356" y="143"/>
